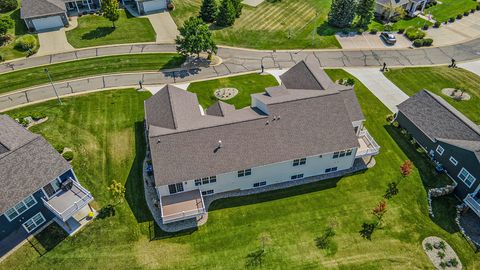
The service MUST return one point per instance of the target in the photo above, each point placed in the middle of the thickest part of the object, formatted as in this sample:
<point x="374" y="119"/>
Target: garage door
<point x="149" y="6"/>
<point x="47" y="23"/>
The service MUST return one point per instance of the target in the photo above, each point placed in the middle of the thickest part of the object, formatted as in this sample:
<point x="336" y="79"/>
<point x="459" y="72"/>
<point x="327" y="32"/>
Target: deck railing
<point x="473" y="203"/>
<point x="75" y="207"/>
<point x="373" y="147"/>
<point x="183" y="215"/>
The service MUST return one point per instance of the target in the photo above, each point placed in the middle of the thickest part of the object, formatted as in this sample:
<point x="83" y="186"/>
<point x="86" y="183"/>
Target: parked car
<point x="389" y="38"/>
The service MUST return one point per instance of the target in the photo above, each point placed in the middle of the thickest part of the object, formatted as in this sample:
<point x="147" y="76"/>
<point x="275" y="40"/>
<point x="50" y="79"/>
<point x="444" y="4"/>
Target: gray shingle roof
<point x="30" y="163"/>
<point x="39" y="8"/>
<point x="300" y="123"/>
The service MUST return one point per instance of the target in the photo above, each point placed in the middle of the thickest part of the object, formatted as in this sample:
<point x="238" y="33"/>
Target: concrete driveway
<point x="460" y="31"/>
<point x="164" y="26"/>
<point x="53" y="41"/>
<point x="370" y="41"/>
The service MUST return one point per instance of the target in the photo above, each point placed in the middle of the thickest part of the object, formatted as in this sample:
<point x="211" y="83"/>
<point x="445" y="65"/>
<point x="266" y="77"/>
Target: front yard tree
<point x="5" y="24"/>
<point x="238" y="5"/>
<point x="111" y="10"/>
<point x="195" y="38"/>
<point x="8" y="5"/>
<point x="365" y="10"/>
<point x="226" y="14"/>
<point x="342" y="13"/>
<point x="209" y="10"/>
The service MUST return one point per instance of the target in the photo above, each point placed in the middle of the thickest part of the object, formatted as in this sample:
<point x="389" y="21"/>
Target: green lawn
<point x="286" y="24"/>
<point x="88" y="67"/>
<point x="450" y="8"/>
<point x="19" y="29"/>
<point x="246" y="84"/>
<point x="108" y="138"/>
<point x="434" y="79"/>
<point x="95" y="30"/>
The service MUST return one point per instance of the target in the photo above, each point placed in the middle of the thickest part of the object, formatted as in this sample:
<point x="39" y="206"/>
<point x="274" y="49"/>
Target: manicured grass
<point x="246" y="84"/>
<point x="88" y="67"/>
<point x="434" y="79"/>
<point x="286" y="24"/>
<point x="450" y="8"/>
<point x="19" y="29"/>
<point x="106" y="127"/>
<point x="96" y="30"/>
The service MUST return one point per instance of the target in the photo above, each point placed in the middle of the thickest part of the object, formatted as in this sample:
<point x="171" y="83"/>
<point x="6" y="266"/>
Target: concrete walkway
<point x="164" y="27"/>
<point x="387" y="92"/>
<point x="473" y="66"/>
<point x="54" y="41"/>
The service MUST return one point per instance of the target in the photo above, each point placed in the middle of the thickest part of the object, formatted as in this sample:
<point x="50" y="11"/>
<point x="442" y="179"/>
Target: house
<point x="38" y="186"/>
<point x="387" y="8"/>
<point x="306" y="127"/>
<point x="449" y="138"/>
<point x="41" y="15"/>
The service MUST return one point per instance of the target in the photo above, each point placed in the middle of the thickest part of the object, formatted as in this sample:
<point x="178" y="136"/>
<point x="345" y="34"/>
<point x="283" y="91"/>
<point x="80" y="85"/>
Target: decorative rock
<point x="456" y="94"/>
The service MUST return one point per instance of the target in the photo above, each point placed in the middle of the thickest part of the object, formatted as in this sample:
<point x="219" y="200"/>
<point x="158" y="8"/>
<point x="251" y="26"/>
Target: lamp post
<point x="53" y="86"/>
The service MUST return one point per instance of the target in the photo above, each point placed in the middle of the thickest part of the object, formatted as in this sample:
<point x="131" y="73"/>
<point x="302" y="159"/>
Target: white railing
<point x="373" y="147"/>
<point x="77" y="205"/>
<point x="183" y="215"/>
<point x="473" y="203"/>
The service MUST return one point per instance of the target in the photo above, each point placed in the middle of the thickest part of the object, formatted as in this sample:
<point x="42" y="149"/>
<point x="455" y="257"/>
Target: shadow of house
<point x="134" y="190"/>
<point x="48" y="239"/>
<point x="158" y="234"/>
<point x="445" y="212"/>
<point x="20" y="27"/>
<point x="99" y="32"/>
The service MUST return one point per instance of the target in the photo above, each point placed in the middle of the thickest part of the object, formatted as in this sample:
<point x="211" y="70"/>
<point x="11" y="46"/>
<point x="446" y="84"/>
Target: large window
<point x="260" y="184"/>
<point x="342" y="153"/>
<point x="466" y="177"/>
<point x="300" y="161"/>
<point x="329" y="170"/>
<point x="20" y="208"/>
<point x="243" y="173"/>
<point x="174" y="188"/>
<point x="208" y="192"/>
<point x="52" y="188"/>
<point x="440" y="150"/>
<point x="205" y="180"/>
<point x="34" y="222"/>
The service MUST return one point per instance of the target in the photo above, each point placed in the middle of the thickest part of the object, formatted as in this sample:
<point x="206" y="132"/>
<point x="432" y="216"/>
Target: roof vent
<point x="220" y="145"/>
<point x="158" y="141"/>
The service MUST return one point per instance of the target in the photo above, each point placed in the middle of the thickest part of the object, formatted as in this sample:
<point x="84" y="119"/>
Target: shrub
<point x="425" y="27"/>
<point x="413" y="33"/>
<point x="427" y="42"/>
<point x="388" y="28"/>
<point x="441" y="254"/>
<point x="26" y="43"/>
<point x="428" y="246"/>
<point x="452" y="19"/>
<point x="8" y="5"/>
<point x="406" y="168"/>
<point x="59" y="147"/>
<point x="68" y="155"/>
<point x="360" y="30"/>
<point x="459" y="16"/>
<point x="401" y="31"/>
<point x="396" y="124"/>
<point x="466" y="13"/>
<point x="390" y="118"/>
<point x="442" y="245"/>
<point x="418" y="42"/>
<point x="472" y="10"/>
<point x="453" y="262"/>
<point x="373" y="31"/>
<point x="443" y="265"/>
<point x="437" y="24"/>
<point x="5" y="24"/>
<point x="37" y="115"/>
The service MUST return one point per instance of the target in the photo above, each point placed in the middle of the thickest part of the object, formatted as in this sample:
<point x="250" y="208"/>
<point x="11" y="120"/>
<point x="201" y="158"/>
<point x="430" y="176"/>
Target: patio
<point x="182" y="206"/>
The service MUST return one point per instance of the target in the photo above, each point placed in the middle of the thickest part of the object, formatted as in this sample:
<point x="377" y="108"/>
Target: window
<point x="466" y="177"/>
<point x="198" y="182"/>
<point x="174" y="188"/>
<point x="207" y="192"/>
<point x="335" y="154"/>
<point x="205" y="180"/>
<point x="179" y="187"/>
<point x="320" y="156"/>
<point x="213" y="179"/>
<point x="243" y="173"/>
<point x="34" y="222"/>
<point x="333" y="169"/>
<point x="20" y="208"/>
<point x="296" y="177"/>
<point x="440" y="150"/>
<point x="453" y="161"/>
<point x="259" y="184"/>
<point x="342" y="153"/>
<point x="349" y="152"/>
<point x="52" y="188"/>
<point x="301" y="161"/>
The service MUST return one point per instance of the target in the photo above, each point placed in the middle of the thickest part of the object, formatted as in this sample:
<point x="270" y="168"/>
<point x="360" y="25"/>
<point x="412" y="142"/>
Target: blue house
<point x="38" y="187"/>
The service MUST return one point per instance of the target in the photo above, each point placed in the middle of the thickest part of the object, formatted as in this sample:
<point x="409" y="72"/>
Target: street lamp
<point x="53" y="86"/>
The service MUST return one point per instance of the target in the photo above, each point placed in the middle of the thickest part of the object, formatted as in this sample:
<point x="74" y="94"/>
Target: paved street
<point x="473" y="66"/>
<point x="367" y="40"/>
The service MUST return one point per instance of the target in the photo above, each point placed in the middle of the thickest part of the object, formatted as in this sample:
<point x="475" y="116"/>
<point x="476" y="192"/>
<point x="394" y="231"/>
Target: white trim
<point x="56" y="192"/>
<point x="453" y="161"/>
<point x="440" y="150"/>
<point x="26" y="209"/>
<point x="39" y="214"/>
<point x="467" y="176"/>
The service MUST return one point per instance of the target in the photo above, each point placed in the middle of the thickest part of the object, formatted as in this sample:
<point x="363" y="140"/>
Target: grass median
<point x="88" y="67"/>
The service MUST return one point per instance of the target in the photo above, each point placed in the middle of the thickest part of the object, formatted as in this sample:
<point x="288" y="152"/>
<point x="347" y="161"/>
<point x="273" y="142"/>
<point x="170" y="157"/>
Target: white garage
<point x="47" y="23"/>
<point x="154" y="5"/>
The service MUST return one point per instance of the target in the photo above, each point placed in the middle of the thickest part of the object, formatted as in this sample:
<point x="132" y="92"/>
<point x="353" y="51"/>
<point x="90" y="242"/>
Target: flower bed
<point x="441" y="253"/>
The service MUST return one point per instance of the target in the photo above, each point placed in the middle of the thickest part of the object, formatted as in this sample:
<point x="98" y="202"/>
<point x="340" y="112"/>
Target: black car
<point x="389" y="38"/>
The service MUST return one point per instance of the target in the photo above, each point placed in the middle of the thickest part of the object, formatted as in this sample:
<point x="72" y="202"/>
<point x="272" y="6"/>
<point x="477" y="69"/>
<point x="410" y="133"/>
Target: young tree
<point x="406" y="168"/>
<point x="209" y="10"/>
<point x="118" y="191"/>
<point x="380" y="209"/>
<point x="111" y="10"/>
<point x="195" y="38"/>
<point x="5" y="24"/>
<point x="365" y="10"/>
<point x="342" y="13"/>
<point x="226" y="14"/>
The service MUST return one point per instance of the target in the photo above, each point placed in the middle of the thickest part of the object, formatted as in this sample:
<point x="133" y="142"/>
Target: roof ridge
<point x="174" y="116"/>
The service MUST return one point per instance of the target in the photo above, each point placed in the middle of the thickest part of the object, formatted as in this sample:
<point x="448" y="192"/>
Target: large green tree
<point x="365" y="10"/>
<point x="111" y="10"/>
<point x="8" y="5"/>
<point x="209" y="10"/>
<point x="195" y="38"/>
<point x="227" y="13"/>
<point x="5" y="24"/>
<point x="342" y="13"/>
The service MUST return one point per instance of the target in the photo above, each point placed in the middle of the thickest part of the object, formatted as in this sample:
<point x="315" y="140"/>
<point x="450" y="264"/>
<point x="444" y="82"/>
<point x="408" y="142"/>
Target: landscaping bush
<point x="437" y="24"/>
<point x="427" y="42"/>
<point x="390" y="118"/>
<point x="38" y="115"/>
<point x="26" y="43"/>
<point x="453" y="262"/>
<point x="8" y="5"/>
<point x="472" y="10"/>
<point x="459" y="16"/>
<point x="466" y="13"/>
<point x="360" y="31"/>
<point x="401" y="30"/>
<point x="452" y="19"/>
<point x="425" y="27"/>
<point x="478" y="7"/>
<point x="418" y="42"/>
<point x="388" y="28"/>
<point x="373" y="31"/>
<point x="68" y="155"/>
<point x="59" y="147"/>
<point x="5" y="24"/>
<point x="413" y="33"/>
<point x="428" y="246"/>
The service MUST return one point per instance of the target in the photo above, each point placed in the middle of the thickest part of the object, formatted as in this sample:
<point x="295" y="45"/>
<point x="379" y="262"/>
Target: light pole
<point x="54" y="89"/>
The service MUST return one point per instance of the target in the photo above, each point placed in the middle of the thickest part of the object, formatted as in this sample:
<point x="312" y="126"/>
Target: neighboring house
<point x="147" y="6"/>
<point x="40" y="15"/>
<point x="387" y="8"/>
<point x="449" y="137"/>
<point x="37" y="186"/>
<point x="306" y="127"/>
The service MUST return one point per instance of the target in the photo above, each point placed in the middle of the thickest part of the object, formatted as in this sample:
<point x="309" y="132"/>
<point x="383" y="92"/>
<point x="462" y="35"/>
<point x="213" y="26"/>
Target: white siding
<point x="273" y="173"/>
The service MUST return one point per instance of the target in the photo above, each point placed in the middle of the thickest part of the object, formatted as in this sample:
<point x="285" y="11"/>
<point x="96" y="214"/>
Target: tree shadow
<point x="276" y="194"/>
<point x="48" y="239"/>
<point x="106" y="212"/>
<point x="99" y="32"/>
<point x="134" y="190"/>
